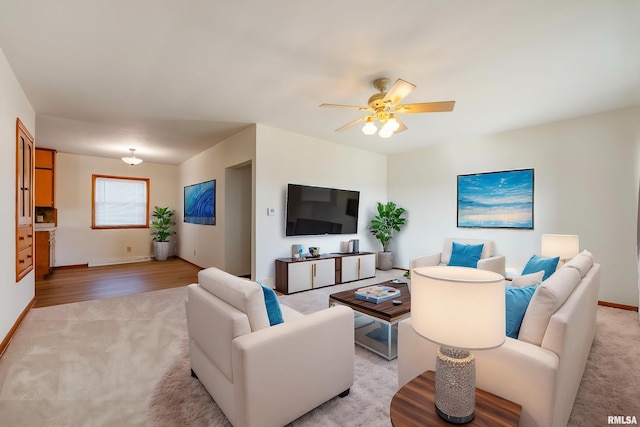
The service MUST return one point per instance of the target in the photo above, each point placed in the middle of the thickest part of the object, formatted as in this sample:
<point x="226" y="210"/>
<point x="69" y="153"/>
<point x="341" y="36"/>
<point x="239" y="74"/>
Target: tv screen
<point x="319" y="210"/>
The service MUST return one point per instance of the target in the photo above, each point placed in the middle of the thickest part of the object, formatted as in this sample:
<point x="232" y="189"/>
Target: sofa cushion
<point x="516" y="302"/>
<point x="527" y="279"/>
<point x="272" y="304"/>
<point x="245" y="295"/>
<point x="581" y="262"/>
<point x="546" y="300"/>
<point x="447" y="245"/>
<point x="463" y="255"/>
<point x="537" y="263"/>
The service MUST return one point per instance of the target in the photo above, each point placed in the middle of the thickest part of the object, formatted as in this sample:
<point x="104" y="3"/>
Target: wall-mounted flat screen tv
<point x="318" y="210"/>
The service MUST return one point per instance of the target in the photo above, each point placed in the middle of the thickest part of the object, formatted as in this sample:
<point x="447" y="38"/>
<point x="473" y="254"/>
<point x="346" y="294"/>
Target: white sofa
<point x="542" y="369"/>
<point x="488" y="260"/>
<point x="262" y="375"/>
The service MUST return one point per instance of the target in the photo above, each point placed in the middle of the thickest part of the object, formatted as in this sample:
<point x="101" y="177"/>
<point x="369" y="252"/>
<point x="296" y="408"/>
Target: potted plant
<point x="388" y="220"/>
<point x="162" y="232"/>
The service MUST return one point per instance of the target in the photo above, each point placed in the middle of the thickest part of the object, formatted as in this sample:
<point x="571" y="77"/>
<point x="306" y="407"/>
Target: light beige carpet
<point x="124" y="362"/>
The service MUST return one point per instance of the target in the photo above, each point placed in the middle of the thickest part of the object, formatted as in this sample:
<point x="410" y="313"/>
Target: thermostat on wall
<point x="271" y="211"/>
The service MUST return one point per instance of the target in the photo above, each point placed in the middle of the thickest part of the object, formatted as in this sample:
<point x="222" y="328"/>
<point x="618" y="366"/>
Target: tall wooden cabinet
<point x="24" y="200"/>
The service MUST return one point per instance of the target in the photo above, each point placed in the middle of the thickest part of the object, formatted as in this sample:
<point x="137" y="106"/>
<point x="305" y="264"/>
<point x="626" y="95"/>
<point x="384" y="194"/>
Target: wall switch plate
<point x="271" y="211"/>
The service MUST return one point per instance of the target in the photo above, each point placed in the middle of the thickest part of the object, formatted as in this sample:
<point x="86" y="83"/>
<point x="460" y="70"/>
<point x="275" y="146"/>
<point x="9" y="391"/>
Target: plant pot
<point x="161" y="250"/>
<point x="385" y="261"/>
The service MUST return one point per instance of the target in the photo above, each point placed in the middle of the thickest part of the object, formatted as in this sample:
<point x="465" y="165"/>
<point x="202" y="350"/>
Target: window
<point x="120" y="202"/>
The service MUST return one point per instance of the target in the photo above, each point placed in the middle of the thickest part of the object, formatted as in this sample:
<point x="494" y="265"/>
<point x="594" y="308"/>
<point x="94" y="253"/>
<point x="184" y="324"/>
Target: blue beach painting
<point x="200" y="203"/>
<point x="496" y="199"/>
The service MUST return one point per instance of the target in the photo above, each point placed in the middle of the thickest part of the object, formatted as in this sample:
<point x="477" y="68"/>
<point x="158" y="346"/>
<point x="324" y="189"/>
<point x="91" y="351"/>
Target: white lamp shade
<point x="565" y="246"/>
<point x="458" y="306"/>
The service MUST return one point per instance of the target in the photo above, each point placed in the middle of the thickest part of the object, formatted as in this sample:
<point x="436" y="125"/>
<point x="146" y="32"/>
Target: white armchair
<point x="262" y="375"/>
<point x="488" y="259"/>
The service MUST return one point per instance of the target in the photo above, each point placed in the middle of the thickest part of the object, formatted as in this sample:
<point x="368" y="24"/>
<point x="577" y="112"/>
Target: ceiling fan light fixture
<point x="385" y="132"/>
<point x="386" y="104"/>
<point x="392" y="124"/>
<point x="369" y="128"/>
<point x="132" y="159"/>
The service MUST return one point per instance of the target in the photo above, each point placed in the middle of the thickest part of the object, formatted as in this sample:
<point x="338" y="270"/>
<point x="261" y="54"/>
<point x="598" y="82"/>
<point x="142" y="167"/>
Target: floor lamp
<point x="461" y="309"/>
<point x="565" y="246"/>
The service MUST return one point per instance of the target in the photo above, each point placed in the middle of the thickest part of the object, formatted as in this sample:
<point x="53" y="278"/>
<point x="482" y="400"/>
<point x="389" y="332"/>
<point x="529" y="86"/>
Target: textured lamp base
<point x="455" y="385"/>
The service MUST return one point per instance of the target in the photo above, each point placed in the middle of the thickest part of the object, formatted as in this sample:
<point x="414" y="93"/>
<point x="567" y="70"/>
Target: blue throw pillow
<point x="537" y="263"/>
<point x="465" y="255"/>
<point x="273" y="305"/>
<point x="517" y="301"/>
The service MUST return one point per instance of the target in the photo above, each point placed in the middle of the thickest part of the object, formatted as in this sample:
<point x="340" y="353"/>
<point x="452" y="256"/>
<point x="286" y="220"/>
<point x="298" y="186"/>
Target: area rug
<point x="124" y="362"/>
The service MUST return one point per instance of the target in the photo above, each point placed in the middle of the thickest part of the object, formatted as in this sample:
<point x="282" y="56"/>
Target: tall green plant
<point x="162" y="224"/>
<point x="386" y="222"/>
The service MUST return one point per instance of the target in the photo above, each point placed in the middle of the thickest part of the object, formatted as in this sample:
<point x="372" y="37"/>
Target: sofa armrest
<point x="426" y="260"/>
<point x="284" y="371"/>
<point x="518" y="371"/>
<point x="494" y="263"/>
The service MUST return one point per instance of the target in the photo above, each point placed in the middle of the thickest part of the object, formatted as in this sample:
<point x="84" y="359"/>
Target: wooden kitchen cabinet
<point x="45" y="177"/>
<point x="45" y="252"/>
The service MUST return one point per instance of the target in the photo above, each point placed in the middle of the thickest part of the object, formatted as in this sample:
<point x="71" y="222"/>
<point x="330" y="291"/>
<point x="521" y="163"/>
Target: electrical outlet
<point x="128" y="248"/>
<point x="194" y="252"/>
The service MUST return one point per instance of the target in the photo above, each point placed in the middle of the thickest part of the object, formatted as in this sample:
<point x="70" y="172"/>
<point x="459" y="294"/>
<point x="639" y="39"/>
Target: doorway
<point x="238" y="210"/>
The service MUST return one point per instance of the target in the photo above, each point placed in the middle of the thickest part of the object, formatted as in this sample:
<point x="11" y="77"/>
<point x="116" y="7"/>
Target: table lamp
<point x="565" y="246"/>
<point x="461" y="309"/>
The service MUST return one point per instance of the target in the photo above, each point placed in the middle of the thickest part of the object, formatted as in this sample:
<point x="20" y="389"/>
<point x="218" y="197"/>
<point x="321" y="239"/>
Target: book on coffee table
<point x="377" y="293"/>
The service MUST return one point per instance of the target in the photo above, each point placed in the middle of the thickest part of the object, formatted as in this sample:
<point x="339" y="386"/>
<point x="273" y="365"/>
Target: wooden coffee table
<point x="376" y="325"/>
<point x="414" y="405"/>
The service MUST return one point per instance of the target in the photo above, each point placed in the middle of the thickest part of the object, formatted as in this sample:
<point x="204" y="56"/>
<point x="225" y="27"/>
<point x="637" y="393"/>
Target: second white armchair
<point x="488" y="259"/>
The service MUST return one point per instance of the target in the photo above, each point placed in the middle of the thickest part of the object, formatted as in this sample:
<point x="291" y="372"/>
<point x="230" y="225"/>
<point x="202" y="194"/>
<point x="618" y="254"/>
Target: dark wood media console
<point x="296" y="275"/>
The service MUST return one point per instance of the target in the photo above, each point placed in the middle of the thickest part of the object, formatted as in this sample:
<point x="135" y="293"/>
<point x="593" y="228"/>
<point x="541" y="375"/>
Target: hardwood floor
<point x="73" y="284"/>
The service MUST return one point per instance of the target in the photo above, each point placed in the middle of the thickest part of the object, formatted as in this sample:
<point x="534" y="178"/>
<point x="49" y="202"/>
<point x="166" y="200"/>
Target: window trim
<point x="93" y="203"/>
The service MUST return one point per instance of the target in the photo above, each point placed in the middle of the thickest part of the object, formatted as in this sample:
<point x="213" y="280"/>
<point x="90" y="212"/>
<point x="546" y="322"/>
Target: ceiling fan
<point x="384" y="107"/>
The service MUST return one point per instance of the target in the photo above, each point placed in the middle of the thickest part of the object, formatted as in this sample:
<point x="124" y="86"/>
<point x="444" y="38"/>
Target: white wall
<point x="208" y="241"/>
<point x="285" y="157"/>
<point x="76" y="242"/>
<point x="14" y="297"/>
<point x="586" y="183"/>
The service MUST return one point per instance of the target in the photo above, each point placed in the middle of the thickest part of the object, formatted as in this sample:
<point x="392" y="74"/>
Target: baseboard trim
<point x="5" y="342"/>
<point x="116" y="261"/>
<point x="187" y="261"/>
<point x="620" y="306"/>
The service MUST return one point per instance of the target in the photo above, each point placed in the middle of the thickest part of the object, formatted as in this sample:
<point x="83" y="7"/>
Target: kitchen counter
<point x="45" y="226"/>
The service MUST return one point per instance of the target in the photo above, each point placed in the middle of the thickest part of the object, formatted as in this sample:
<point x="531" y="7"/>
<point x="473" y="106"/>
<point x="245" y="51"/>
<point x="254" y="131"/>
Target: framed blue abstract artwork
<point x="496" y="199"/>
<point x="200" y="203"/>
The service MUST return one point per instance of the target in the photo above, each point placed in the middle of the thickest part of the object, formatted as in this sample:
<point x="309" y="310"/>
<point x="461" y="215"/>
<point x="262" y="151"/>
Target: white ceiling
<point x="173" y="77"/>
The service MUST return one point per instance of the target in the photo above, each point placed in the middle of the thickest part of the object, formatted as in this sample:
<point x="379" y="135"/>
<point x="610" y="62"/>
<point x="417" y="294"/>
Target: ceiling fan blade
<point x="353" y="123"/>
<point x="425" y="107"/>
<point x="402" y="127"/>
<point x="351" y="107"/>
<point x="398" y="91"/>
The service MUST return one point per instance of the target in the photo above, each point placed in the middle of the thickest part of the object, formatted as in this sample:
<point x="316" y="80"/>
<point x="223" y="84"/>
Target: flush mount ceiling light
<point x="132" y="159"/>
<point x="383" y="108"/>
